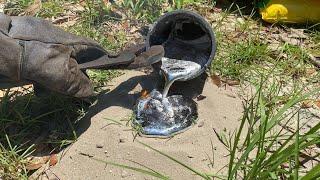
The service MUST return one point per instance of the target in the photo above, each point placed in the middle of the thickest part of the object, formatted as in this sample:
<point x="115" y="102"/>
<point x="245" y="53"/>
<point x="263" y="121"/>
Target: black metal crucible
<point x="186" y="36"/>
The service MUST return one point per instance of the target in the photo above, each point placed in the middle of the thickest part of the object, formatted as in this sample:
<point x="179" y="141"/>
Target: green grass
<point x="259" y="155"/>
<point x="101" y="77"/>
<point x="52" y="8"/>
<point x="28" y="122"/>
<point x="13" y="160"/>
<point x="139" y="9"/>
<point x="150" y="10"/>
<point x="262" y="138"/>
<point x="249" y="57"/>
<point x="16" y="7"/>
<point x="244" y="57"/>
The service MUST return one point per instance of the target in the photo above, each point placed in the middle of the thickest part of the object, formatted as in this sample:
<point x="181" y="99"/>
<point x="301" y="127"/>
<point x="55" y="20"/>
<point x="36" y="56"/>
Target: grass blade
<point x="148" y="168"/>
<point x="114" y="121"/>
<point x="177" y="161"/>
<point x="271" y="123"/>
<point x="312" y="174"/>
<point x="140" y="170"/>
<point x="297" y="151"/>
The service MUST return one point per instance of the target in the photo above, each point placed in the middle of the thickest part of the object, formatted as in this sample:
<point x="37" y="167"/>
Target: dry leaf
<point x="317" y="103"/>
<point x="2" y="93"/>
<point x="37" y="162"/>
<point x="218" y="10"/>
<point x="53" y="160"/>
<point x="133" y="29"/>
<point x="285" y="165"/>
<point x="310" y="71"/>
<point x="201" y="97"/>
<point x="291" y="41"/>
<point x="34" y="8"/>
<point x="297" y="33"/>
<point x="315" y="60"/>
<point x="34" y="166"/>
<point x="61" y="20"/>
<point x="111" y="38"/>
<point x="69" y="23"/>
<point x="2" y="5"/>
<point x="201" y="124"/>
<point x="105" y="2"/>
<point x="126" y="25"/>
<point x="232" y="82"/>
<point x="144" y="93"/>
<point x="306" y="104"/>
<point x="216" y="80"/>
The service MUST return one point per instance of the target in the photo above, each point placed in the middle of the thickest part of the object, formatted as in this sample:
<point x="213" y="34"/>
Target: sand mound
<point x="220" y="109"/>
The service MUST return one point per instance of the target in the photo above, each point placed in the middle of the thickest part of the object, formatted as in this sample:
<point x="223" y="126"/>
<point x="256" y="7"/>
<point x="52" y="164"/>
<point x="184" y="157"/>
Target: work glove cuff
<point x="52" y="66"/>
<point x="35" y="51"/>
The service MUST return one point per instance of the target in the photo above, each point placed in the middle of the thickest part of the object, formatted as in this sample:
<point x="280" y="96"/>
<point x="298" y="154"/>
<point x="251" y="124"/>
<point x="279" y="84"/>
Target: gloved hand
<point x="35" y="51"/>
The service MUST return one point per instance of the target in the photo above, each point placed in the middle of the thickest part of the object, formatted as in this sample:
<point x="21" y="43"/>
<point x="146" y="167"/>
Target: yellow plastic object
<point x="291" y="11"/>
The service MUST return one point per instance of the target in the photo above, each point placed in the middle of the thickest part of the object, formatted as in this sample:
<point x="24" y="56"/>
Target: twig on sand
<point x="314" y="60"/>
<point x="86" y="154"/>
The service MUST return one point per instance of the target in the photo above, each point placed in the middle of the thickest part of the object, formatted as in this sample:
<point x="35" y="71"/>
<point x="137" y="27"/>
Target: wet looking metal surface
<point x="162" y="115"/>
<point x="158" y="116"/>
<point x="174" y="70"/>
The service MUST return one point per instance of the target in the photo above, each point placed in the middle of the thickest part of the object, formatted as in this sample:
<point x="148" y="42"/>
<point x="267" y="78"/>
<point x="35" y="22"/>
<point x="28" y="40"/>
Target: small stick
<point x="85" y="154"/>
<point x="313" y="60"/>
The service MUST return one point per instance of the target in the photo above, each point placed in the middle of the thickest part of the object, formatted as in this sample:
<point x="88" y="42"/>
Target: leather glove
<point x="33" y="50"/>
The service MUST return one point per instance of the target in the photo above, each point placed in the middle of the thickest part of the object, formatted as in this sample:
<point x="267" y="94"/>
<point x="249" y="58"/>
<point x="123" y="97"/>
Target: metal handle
<point x="107" y="61"/>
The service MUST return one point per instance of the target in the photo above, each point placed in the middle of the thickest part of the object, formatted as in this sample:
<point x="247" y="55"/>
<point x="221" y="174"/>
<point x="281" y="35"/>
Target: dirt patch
<point x="115" y="143"/>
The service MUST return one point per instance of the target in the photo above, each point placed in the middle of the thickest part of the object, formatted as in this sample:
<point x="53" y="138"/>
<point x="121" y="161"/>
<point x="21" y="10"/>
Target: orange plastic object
<point x="291" y="11"/>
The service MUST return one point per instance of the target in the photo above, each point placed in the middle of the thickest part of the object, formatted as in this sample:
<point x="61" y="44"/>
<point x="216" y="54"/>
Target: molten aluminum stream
<point x="174" y="70"/>
<point x="160" y="115"/>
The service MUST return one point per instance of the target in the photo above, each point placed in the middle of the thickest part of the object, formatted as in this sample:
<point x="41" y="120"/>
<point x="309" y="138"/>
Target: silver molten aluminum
<point x="162" y="115"/>
<point x="158" y="116"/>
<point x="174" y="70"/>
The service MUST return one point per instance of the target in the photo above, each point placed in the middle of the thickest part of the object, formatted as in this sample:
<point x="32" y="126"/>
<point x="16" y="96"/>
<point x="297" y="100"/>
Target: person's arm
<point x="33" y="50"/>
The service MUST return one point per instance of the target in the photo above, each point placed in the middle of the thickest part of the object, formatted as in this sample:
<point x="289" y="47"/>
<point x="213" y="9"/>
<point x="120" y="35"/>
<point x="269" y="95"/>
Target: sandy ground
<point x="220" y="109"/>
